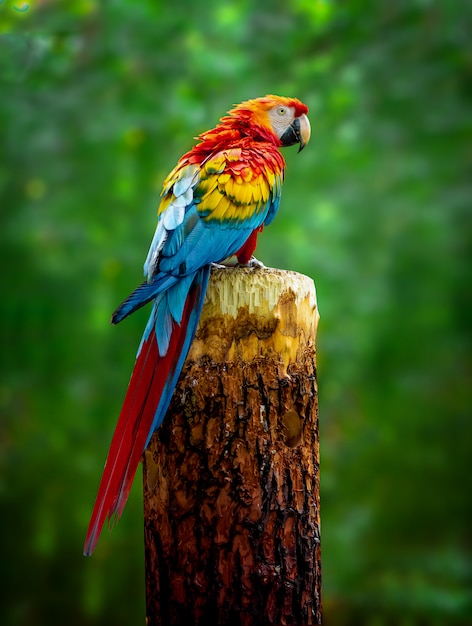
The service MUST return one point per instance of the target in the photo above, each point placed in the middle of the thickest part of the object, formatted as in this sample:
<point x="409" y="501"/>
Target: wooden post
<point x="231" y="479"/>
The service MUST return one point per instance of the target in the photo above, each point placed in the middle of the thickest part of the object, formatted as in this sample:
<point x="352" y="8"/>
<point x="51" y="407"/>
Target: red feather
<point x="150" y="375"/>
<point x="244" y="254"/>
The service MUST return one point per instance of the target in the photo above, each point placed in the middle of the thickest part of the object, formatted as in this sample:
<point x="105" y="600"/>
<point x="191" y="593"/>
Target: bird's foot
<point x="232" y="261"/>
<point x="254" y="263"/>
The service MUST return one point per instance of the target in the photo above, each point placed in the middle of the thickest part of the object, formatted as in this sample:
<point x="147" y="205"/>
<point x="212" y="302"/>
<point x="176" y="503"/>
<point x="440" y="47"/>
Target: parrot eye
<point x="282" y="111"/>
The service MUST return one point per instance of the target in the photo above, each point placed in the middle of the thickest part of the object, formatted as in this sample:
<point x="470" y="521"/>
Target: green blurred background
<point x="97" y="102"/>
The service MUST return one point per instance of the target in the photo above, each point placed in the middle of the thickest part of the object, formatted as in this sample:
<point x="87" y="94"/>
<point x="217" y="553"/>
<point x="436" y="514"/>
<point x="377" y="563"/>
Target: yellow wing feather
<point x="176" y="176"/>
<point x="227" y="189"/>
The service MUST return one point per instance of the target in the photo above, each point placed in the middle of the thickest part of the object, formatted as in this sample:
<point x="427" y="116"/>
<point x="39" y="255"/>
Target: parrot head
<point x="275" y="118"/>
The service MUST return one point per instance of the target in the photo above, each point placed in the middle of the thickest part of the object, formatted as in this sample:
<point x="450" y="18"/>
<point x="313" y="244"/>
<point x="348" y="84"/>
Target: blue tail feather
<point x="142" y="295"/>
<point x="200" y="283"/>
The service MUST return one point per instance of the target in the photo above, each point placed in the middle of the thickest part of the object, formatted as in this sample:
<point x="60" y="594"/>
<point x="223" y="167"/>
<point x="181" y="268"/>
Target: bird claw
<point x="254" y="263"/>
<point x="232" y="261"/>
<point x="220" y="266"/>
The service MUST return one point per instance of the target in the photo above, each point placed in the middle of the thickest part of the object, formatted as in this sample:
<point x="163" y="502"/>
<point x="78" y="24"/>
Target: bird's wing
<point x="208" y="210"/>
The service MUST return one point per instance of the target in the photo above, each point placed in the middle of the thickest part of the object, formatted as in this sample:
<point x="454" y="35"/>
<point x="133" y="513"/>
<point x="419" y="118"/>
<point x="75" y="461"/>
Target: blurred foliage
<point x="98" y="100"/>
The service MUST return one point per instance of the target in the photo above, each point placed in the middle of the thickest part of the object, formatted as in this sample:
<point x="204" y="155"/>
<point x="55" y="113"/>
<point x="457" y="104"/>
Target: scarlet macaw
<point x="213" y="204"/>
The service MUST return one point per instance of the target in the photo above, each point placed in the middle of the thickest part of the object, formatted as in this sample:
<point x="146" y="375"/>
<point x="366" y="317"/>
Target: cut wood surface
<point x="231" y="480"/>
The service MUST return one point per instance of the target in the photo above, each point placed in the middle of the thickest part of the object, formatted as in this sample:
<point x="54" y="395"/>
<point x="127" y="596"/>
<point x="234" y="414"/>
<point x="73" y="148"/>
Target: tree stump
<point x="231" y="479"/>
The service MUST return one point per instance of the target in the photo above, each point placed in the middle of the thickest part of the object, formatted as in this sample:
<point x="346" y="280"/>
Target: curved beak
<point x="299" y="131"/>
<point x="304" y="131"/>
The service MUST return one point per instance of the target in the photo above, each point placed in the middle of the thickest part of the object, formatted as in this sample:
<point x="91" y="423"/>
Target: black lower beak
<point x="292" y="135"/>
<point x="298" y="132"/>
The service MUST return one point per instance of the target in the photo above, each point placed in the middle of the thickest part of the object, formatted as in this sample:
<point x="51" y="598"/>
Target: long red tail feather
<point x="150" y="386"/>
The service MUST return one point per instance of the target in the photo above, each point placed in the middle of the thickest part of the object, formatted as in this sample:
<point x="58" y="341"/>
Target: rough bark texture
<point x="231" y="480"/>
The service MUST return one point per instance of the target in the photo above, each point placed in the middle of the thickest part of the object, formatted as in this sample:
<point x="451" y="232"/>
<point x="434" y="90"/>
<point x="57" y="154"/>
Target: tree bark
<point x="231" y="479"/>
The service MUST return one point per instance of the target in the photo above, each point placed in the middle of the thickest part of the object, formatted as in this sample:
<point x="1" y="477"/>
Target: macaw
<point x="213" y="205"/>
